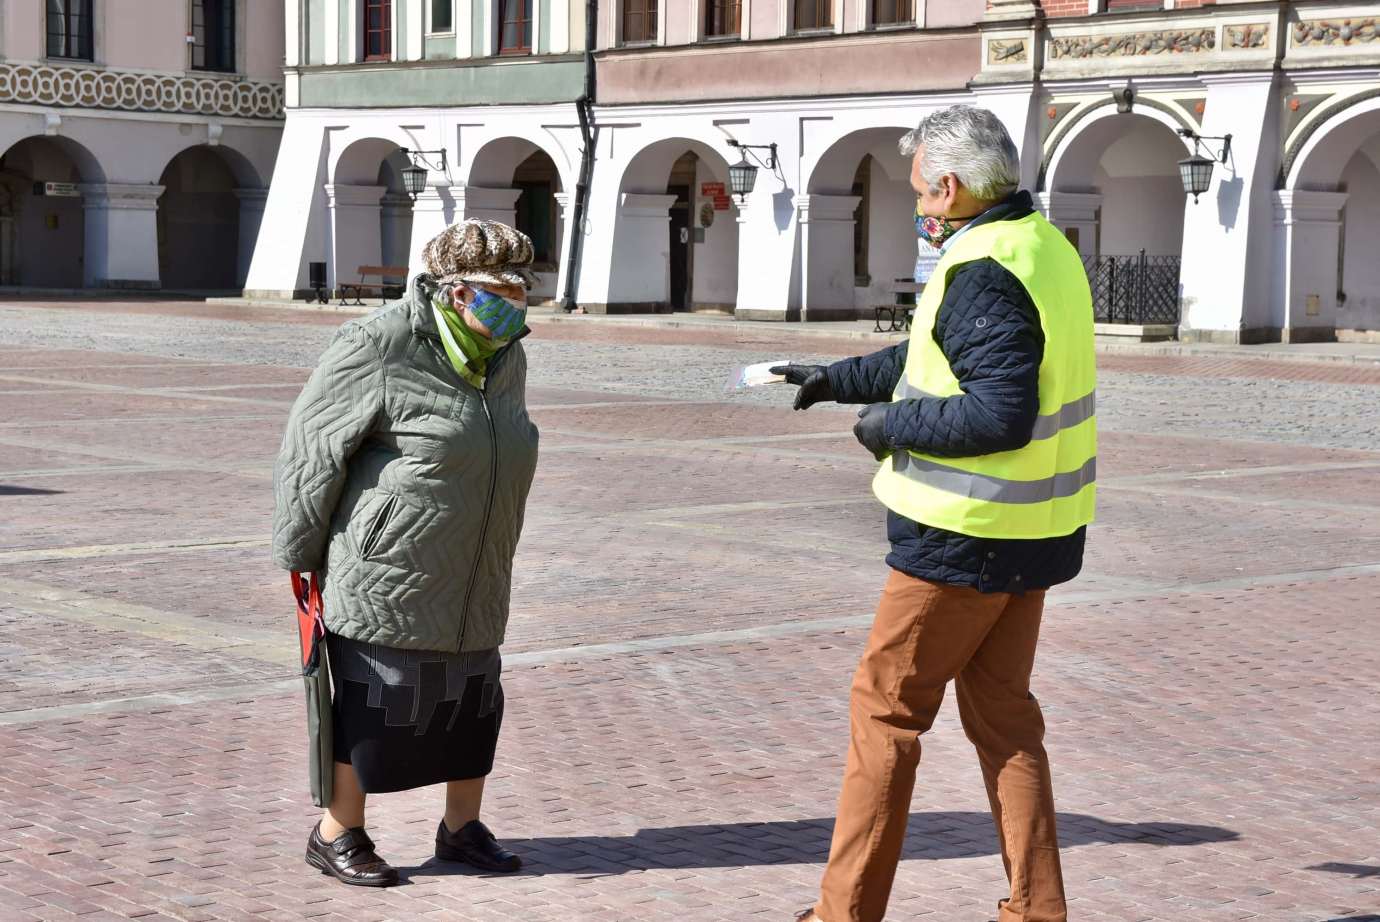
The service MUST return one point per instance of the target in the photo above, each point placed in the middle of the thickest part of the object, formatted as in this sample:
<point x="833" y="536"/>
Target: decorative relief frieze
<point x="87" y="88"/>
<point x="1335" y="31"/>
<point x="1137" y="44"/>
<point x="1012" y="51"/>
<point x="1251" y="35"/>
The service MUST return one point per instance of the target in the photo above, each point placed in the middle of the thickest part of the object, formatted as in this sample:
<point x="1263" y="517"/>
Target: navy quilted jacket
<point x="990" y="331"/>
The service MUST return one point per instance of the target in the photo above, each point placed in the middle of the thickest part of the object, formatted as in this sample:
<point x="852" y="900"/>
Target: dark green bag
<point x="316" y="675"/>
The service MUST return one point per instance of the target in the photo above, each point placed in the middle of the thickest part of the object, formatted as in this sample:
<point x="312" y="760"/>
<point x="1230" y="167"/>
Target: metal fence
<point x="1134" y="289"/>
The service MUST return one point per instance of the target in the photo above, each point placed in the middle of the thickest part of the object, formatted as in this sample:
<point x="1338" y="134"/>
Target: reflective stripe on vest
<point x="993" y="489"/>
<point x="1069" y="415"/>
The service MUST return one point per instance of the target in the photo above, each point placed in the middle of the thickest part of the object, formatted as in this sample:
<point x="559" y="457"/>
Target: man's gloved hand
<point x="812" y="380"/>
<point x="870" y="430"/>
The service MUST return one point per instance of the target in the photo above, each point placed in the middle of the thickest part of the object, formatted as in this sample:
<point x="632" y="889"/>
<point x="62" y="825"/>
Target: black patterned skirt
<point x="410" y="718"/>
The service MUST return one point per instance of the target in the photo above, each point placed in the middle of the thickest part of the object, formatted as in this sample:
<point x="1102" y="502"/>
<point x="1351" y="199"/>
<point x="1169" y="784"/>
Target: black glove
<point x="870" y="430"/>
<point x="812" y="380"/>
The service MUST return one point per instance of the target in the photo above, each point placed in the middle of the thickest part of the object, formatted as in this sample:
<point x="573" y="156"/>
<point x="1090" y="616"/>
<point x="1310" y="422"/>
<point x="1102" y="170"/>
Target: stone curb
<point x="551" y="314"/>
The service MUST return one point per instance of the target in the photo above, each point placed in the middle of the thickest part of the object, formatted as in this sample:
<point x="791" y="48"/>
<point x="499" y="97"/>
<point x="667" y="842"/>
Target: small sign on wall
<point x="57" y="189"/>
<point x="719" y="193"/>
<point x="707" y="215"/>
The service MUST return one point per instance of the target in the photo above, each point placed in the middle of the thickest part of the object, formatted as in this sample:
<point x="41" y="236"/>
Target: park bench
<point x="899" y="315"/>
<point x="382" y="288"/>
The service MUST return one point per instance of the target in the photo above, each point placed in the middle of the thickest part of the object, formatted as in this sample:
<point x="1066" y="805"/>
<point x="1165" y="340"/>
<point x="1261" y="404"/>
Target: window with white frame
<point x="70" y="32"/>
<point x="639" y="22"/>
<point x="893" y="12"/>
<point x="442" y="17"/>
<point x="813" y="15"/>
<point x="213" y="35"/>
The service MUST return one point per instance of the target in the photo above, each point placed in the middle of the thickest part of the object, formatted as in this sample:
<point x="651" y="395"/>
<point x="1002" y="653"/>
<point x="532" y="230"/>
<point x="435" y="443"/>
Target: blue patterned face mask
<point x="504" y="318"/>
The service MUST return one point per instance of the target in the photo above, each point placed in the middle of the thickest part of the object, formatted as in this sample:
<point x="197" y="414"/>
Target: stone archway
<point x="673" y="224"/>
<point x="208" y="219"/>
<point x="1326" y="221"/>
<point x="1113" y="186"/>
<point x="857" y="226"/>
<point x="43" y="229"/>
<point x="370" y="216"/>
<point x="517" y="182"/>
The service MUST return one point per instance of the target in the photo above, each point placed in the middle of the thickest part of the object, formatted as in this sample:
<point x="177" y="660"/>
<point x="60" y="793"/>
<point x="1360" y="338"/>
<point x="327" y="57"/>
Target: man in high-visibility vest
<point x="984" y="425"/>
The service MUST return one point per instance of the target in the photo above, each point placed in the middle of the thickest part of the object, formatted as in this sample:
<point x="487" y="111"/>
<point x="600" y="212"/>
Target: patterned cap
<point x="480" y="251"/>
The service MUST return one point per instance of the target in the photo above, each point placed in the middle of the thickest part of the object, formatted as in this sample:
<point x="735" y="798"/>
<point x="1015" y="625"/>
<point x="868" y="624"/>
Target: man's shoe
<point x="476" y="846"/>
<point x="350" y="859"/>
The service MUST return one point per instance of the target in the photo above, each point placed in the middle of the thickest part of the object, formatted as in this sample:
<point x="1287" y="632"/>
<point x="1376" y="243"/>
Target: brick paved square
<point x="694" y="585"/>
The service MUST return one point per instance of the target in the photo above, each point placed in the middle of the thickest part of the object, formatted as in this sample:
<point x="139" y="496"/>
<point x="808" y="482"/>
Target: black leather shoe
<point x="476" y="846"/>
<point x="350" y="859"/>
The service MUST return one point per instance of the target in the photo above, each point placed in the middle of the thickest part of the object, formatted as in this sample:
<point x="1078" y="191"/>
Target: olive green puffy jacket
<point x="404" y="486"/>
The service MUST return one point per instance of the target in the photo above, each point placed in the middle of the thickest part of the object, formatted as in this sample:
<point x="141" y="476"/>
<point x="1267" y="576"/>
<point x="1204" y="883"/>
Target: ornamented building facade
<point x="137" y="140"/>
<point x="1105" y="97"/>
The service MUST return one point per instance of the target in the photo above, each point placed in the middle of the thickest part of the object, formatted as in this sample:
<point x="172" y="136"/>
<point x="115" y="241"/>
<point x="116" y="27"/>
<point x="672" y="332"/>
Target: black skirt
<point x="411" y="718"/>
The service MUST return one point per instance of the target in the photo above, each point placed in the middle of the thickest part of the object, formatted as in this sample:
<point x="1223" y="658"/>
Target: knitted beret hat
<point x="478" y="252"/>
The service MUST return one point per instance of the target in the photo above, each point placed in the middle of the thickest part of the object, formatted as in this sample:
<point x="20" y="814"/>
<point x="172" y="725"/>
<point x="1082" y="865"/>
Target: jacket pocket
<point x="377" y="526"/>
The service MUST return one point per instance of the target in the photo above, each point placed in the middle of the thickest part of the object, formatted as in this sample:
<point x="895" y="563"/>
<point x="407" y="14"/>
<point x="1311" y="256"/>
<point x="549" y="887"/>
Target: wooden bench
<point x="383" y="289"/>
<point x="899" y="315"/>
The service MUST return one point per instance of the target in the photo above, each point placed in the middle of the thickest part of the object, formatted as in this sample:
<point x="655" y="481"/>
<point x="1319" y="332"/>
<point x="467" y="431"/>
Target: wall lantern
<point x="1196" y="171"/>
<point x="414" y="177"/>
<point x="1125" y="98"/>
<point x="742" y="176"/>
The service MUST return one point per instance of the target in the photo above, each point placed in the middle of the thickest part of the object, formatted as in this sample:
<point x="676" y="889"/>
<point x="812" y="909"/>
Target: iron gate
<point x="1134" y="289"/>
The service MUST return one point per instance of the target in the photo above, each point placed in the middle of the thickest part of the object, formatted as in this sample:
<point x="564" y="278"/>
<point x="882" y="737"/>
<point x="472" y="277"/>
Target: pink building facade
<point x="137" y="140"/>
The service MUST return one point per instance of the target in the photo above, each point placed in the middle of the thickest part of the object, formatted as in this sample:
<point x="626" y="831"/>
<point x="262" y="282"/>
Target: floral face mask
<point x="934" y="231"/>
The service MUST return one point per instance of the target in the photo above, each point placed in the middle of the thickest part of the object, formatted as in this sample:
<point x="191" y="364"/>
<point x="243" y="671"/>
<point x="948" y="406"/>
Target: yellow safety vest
<point x="1046" y="489"/>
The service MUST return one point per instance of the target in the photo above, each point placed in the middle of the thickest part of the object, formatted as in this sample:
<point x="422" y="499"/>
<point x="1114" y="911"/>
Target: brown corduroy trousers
<point x="924" y="635"/>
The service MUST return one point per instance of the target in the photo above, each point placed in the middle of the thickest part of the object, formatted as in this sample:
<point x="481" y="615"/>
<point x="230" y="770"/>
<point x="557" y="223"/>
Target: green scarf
<point x="469" y="353"/>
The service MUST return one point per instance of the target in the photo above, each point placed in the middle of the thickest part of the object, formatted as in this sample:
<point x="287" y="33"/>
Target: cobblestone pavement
<point x="692" y="592"/>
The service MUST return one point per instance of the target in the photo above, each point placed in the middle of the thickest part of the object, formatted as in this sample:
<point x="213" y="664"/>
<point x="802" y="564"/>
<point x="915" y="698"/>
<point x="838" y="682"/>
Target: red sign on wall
<point x="712" y="190"/>
<point x="722" y="203"/>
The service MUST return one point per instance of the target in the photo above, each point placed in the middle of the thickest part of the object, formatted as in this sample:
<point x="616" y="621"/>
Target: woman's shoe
<point x="476" y="846"/>
<point x="350" y="859"/>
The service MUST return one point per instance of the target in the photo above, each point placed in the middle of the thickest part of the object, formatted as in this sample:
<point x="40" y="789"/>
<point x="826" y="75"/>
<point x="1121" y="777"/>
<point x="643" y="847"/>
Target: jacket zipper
<point x="483" y="529"/>
<point x="376" y="529"/>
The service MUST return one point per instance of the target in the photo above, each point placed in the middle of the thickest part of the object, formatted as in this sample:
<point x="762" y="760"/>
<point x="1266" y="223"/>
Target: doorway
<point x="682" y="268"/>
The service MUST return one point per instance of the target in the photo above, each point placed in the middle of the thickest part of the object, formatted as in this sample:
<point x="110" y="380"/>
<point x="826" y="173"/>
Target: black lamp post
<point x="1196" y="172"/>
<point x="414" y="176"/>
<point x="742" y="176"/>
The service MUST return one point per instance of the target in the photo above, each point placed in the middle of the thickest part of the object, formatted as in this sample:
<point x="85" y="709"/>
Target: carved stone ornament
<point x="1252" y="35"/>
<point x="1007" y="52"/>
<point x="1336" y="32"/>
<point x="1137" y="44"/>
<point x="85" y="88"/>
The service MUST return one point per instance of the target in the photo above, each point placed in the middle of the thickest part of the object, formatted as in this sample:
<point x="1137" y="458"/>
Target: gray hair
<point x="972" y="144"/>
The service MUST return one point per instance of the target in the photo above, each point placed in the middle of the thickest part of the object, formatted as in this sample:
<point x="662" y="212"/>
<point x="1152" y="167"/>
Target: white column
<point x="252" y="205"/>
<point x="418" y="22"/>
<point x="121" y="235"/>
<point x="827" y="255"/>
<point x="492" y="204"/>
<point x="396" y="228"/>
<point x="1224" y="279"/>
<point x="1073" y="211"/>
<point x="434" y="210"/>
<point x="1308" y="235"/>
<point x="641" y="270"/>
<point x="293" y="230"/>
<point x="355" y="231"/>
<point x="564" y="202"/>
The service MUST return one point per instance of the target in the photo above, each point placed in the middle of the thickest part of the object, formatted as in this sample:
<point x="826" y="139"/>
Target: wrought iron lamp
<point x="1196" y="172"/>
<point x="742" y="176"/>
<point x="414" y="177"/>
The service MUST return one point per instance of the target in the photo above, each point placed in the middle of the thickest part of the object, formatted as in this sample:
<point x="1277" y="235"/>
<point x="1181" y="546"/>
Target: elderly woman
<point x="401" y="485"/>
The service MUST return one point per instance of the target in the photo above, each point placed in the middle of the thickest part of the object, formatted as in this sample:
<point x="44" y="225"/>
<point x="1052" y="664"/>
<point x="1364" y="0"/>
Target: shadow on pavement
<point x="1357" y="871"/>
<point x="933" y="836"/>
<point x="6" y="490"/>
